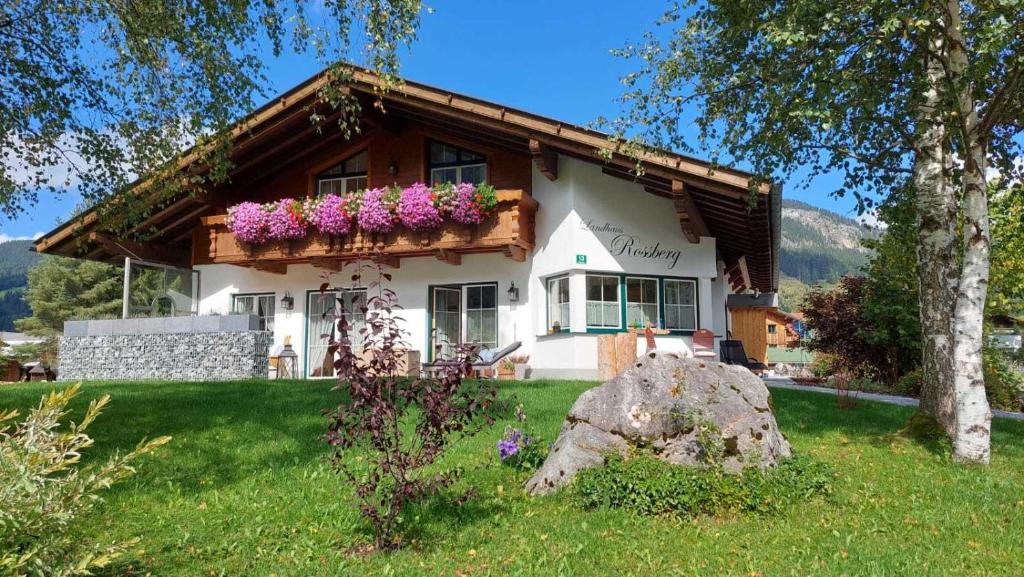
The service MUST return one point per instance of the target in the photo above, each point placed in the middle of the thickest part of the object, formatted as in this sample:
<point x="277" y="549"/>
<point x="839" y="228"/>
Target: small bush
<point x="645" y="485"/>
<point x="389" y="429"/>
<point x="1004" y="383"/>
<point x="44" y="492"/>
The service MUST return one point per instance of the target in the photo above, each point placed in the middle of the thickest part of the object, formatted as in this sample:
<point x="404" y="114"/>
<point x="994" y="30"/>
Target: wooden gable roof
<point x="710" y="201"/>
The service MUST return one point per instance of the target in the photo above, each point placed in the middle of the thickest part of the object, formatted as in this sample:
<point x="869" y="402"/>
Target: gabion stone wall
<point x="191" y="356"/>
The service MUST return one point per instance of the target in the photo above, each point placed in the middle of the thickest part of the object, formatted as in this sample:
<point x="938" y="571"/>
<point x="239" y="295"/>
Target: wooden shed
<point x="755" y="319"/>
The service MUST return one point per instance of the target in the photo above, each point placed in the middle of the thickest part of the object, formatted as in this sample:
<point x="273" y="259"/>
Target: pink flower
<point x="330" y="216"/>
<point x="465" y="208"/>
<point x="374" y="215"/>
<point x="250" y="222"/>
<point x="287" y="221"/>
<point x="416" y="209"/>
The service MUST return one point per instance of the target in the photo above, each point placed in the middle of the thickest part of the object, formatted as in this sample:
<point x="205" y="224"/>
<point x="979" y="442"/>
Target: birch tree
<point x="95" y="93"/>
<point x="927" y="95"/>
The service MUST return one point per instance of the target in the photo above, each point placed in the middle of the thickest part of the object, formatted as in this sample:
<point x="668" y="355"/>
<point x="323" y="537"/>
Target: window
<point x="602" y="301"/>
<point x="680" y="305"/>
<point x="482" y="315"/>
<point x="558" y="303"/>
<point x="323" y="311"/>
<point x="771" y="329"/>
<point x="641" y="302"/>
<point x="455" y="165"/>
<point x="261" y="305"/>
<point x="348" y="176"/>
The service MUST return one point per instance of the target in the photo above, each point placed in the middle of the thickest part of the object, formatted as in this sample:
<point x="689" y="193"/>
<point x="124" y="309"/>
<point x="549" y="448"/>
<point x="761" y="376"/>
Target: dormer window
<point x="456" y="165"/>
<point x="347" y="176"/>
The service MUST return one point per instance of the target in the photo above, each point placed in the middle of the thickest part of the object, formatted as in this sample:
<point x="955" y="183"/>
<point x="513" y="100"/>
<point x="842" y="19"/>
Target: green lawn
<point x="242" y="490"/>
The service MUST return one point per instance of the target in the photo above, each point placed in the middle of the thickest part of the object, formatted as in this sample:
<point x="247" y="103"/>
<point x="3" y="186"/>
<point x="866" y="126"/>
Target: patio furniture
<point x="704" y="344"/>
<point x="733" y="354"/>
<point x="486" y="359"/>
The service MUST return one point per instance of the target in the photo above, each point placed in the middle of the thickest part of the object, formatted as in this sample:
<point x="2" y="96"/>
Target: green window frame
<point x="680" y="315"/>
<point x="559" y="300"/>
<point x="643" y="301"/>
<point x="604" y="301"/>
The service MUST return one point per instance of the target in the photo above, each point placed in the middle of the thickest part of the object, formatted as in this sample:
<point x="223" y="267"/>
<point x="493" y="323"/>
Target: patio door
<point x="446" y="329"/>
<point x="322" y="310"/>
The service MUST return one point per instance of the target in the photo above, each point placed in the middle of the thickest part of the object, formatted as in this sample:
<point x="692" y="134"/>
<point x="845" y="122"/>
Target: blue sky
<point x="551" y="58"/>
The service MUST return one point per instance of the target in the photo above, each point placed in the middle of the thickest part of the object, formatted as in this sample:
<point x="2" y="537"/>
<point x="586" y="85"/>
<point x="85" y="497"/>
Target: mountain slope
<point x="818" y="245"/>
<point x="15" y="260"/>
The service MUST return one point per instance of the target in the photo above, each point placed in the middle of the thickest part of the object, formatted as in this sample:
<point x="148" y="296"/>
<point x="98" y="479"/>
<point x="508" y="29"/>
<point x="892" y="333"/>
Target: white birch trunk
<point x="936" y="248"/>
<point x="973" y="422"/>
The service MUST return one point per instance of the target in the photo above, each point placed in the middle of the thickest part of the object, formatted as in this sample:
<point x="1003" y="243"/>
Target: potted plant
<point x="556" y="327"/>
<point x="520" y="368"/>
<point x="506" y="369"/>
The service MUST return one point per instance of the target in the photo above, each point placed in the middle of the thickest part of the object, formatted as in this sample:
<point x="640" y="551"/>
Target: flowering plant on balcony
<point x="249" y="221"/>
<point x="417" y="211"/>
<point x="330" y="214"/>
<point x="375" y="214"/>
<point x="472" y="204"/>
<point x="287" y="221"/>
<point x="378" y="210"/>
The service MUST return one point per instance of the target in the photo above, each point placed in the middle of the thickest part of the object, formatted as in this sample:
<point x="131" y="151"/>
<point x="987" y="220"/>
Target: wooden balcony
<point x="510" y="231"/>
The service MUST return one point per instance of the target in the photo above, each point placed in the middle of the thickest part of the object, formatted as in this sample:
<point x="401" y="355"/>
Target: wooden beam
<point x="165" y="212"/>
<point x="331" y="264"/>
<point x="382" y="120"/>
<point x="690" y="218"/>
<point x="515" y="252"/>
<point x="183" y="219"/>
<point x="545" y="158"/>
<point x="272" y="267"/>
<point x="452" y="258"/>
<point x="130" y="248"/>
<point x="388" y="260"/>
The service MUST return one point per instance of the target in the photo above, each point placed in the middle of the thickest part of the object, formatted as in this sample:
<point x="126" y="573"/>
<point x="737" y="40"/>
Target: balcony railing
<point x="509" y="230"/>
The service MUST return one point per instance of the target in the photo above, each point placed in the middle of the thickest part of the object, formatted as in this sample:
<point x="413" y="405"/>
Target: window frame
<point x="306" y="331"/>
<point x="657" y="298"/>
<point x="256" y="296"/>
<point x="619" y="286"/>
<point x="566" y="328"/>
<point x="344" y="177"/>
<point x="459" y="164"/>
<point x="463" y="318"/>
<point x="696" y="303"/>
<point x="465" y="309"/>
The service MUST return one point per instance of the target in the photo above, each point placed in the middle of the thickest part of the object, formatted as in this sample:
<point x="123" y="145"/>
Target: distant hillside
<point x="15" y="260"/>
<point x="818" y="245"/>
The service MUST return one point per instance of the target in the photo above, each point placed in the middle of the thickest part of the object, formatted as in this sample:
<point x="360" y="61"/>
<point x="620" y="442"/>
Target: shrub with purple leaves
<point x="374" y="214"/>
<point x="287" y="222"/>
<point x="417" y="211"/>
<point x="329" y="214"/>
<point x="249" y="221"/>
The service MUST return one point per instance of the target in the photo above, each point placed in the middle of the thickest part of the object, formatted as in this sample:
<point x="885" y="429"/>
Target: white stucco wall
<point x="614" y="224"/>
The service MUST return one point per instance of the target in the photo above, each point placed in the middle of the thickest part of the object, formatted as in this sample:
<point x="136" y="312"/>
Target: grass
<point x="243" y="490"/>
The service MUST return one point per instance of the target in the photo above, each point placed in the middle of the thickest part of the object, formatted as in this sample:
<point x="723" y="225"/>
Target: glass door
<point x="446" y="333"/>
<point x="322" y="310"/>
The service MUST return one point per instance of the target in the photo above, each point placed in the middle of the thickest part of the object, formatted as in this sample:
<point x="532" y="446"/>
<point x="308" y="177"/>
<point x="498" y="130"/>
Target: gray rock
<point x="687" y="411"/>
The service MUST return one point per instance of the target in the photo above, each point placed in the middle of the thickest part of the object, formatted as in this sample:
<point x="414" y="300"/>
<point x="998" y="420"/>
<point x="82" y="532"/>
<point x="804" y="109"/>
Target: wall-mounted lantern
<point x="513" y="293"/>
<point x="392" y="168"/>
<point x="287" y="301"/>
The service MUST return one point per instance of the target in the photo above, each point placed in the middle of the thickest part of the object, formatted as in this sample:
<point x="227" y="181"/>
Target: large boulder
<point x="686" y="411"/>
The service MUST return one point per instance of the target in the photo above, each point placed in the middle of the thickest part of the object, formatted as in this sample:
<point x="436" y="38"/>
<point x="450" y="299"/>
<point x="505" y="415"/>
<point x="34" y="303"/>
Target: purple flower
<point x="416" y="209"/>
<point x="465" y="209"/>
<point x="250" y="222"/>
<point x="507" y="448"/>
<point x="330" y="216"/>
<point x="374" y="215"/>
<point x="287" y="221"/>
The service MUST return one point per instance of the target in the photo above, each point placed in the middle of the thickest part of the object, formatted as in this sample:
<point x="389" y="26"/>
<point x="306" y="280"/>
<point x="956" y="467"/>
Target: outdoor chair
<point x="486" y="359"/>
<point x="703" y="344"/>
<point x="733" y="354"/>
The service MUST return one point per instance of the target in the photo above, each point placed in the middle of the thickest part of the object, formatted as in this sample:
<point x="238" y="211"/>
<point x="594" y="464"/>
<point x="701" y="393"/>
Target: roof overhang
<point x="743" y="214"/>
